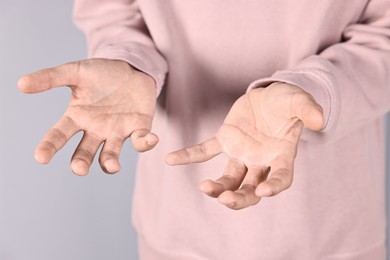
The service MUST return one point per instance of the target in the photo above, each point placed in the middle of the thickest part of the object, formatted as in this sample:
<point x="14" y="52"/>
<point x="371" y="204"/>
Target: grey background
<point x="47" y="213"/>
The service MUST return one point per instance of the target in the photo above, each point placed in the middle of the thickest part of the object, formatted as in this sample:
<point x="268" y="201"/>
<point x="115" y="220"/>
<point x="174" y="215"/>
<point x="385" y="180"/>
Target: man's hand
<point x="110" y="102"/>
<point x="260" y="138"/>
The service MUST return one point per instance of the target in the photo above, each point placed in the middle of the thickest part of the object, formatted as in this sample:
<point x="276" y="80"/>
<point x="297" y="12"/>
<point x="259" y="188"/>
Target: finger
<point x="308" y="110"/>
<point x="195" y="154"/>
<point x="280" y="177"/>
<point x="84" y="154"/>
<point x="143" y="140"/>
<point x="109" y="156"/>
<point x="245" y="196"/>
<point x="55" y="139"/>
<point x="42" y="80"/>
<point x="231" y="180"/>
<point x="242" y="198"/>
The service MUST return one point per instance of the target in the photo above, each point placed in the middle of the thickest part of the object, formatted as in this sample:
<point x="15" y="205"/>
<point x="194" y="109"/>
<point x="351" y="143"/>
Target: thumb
<point x="42" y="80"/>
<point x="308" y="110"/>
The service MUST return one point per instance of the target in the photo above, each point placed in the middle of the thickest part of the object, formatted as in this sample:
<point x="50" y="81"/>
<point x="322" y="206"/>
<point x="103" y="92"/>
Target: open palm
<point x="260" y="137"/>
<point x="110" y="102"/>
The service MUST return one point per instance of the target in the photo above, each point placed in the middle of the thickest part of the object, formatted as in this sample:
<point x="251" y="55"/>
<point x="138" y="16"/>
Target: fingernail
<point x="231" y="204"/>
<point x="151" y="139"/>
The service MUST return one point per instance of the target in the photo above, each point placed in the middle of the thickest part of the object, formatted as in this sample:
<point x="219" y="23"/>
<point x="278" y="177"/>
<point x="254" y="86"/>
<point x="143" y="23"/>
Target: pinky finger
<point x="143" y="140"/>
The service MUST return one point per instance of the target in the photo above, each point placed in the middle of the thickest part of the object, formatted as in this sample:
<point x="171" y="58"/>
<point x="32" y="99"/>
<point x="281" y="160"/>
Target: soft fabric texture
<point x="204" y="55"/>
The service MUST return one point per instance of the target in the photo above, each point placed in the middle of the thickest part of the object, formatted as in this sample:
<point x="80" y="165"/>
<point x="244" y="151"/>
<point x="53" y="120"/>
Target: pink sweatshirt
<point x="204" y="54"/>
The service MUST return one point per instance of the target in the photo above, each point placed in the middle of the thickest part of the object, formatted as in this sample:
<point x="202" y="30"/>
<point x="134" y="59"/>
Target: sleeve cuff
<point x="141" y="57"/>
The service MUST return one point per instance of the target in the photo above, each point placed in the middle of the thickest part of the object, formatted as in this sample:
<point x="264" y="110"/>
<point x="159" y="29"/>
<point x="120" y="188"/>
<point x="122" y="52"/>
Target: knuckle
<point x="108" y="154"/>
<point x="202" y="149"/>
<point x="188" y="154"/>
<point x="58" y="134"/>
<point x="48" y="145"/>
<point x="85" y="154"/>
<point x="79" y="158"/>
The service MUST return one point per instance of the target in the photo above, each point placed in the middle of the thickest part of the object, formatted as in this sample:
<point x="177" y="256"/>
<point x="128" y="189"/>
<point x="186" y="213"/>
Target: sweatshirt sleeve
<point x="115" y="29"/>
<point x="350" y="79"/>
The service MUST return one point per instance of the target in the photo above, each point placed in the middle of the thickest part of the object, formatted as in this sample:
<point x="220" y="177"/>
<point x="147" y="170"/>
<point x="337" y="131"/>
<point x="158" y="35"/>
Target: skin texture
<point x="111" y="101"/>
<point x="260" y="137"/>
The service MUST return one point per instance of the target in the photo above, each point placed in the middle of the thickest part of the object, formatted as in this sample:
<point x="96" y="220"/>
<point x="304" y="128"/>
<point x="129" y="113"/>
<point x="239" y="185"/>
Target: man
<point x="242" y="78"/>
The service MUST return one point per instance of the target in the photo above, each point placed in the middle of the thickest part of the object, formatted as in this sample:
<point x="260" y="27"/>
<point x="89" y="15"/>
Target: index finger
<point x="198" y="153"/>
<point x="55" y="139"/>
<point x="45" y="79"/>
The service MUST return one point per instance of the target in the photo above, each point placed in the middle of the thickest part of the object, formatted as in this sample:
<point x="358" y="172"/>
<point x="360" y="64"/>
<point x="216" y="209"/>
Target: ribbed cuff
<point x="141" y="57"/>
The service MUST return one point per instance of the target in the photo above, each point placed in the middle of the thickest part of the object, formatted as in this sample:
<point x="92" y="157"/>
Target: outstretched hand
<point x="110" y="102"/>
<point x="260" y="137"/>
